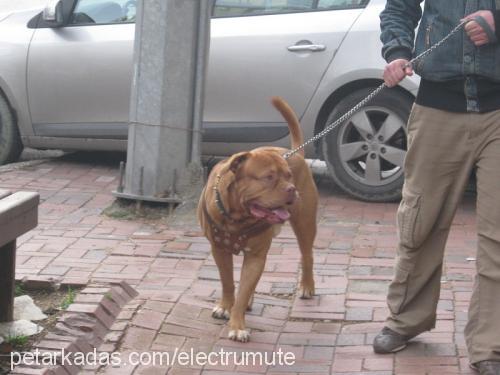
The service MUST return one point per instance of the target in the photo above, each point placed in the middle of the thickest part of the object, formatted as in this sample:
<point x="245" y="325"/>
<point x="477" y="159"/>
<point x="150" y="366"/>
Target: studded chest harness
<point x="231" y="242"/>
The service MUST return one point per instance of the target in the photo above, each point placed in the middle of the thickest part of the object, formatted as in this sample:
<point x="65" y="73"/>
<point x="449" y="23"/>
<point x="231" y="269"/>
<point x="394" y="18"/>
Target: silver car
<point x="66" y="84"/>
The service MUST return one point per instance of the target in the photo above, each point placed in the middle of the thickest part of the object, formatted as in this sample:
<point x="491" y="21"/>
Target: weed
<point x="68" y="299"/>
<point x="109" y="296"/>
<point x="19" y="291"/>
<point x="17" y="341"/>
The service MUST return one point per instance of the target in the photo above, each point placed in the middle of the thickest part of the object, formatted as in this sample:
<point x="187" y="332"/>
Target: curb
<point x="82" y="327"/>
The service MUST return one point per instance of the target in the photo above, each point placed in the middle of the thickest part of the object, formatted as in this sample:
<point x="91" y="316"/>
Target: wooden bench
<point x="18" y="215"/>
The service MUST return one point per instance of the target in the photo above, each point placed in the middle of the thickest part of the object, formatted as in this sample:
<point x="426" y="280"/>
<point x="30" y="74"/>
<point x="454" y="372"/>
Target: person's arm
<point x="496" y="17"/>
<point x="397" y="23"/>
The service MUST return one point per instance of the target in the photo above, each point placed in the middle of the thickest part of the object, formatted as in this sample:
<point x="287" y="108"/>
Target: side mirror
<point x="53" y="13"/>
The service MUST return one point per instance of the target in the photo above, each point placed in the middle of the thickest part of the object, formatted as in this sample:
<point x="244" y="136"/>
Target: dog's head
<point x="264" y="185"/>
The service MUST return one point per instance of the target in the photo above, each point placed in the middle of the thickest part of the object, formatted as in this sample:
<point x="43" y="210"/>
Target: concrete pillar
<point x="164" y="139"/>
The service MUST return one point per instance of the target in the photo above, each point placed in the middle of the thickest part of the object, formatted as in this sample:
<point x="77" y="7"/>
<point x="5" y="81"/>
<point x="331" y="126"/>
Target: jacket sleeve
<point x="496" y="16"/>
<point x="397" y="24"/>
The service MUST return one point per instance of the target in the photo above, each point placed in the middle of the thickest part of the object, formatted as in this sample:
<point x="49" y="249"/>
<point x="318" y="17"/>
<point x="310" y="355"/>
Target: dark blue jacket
<point x="458" y="58"/>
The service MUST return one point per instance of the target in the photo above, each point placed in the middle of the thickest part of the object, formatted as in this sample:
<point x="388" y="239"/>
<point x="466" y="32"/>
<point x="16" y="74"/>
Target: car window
<point x="233" y="8"/>
<point x="341" y="4"/>
<point x="103" y="12"/>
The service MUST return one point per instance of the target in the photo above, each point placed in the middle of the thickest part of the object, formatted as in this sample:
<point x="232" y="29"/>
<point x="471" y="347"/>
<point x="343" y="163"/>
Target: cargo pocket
<point x="396" y="296"/>
<point x="408" y="219"/>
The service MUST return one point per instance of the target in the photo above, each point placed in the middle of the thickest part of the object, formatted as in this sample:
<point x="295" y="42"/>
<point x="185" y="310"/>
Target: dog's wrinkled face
<point x="264" y="184"/>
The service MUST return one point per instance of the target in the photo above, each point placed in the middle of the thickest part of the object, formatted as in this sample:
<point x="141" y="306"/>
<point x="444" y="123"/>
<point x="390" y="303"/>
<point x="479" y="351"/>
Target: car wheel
<point x="10" y="141"/>
<point x="365" y="154"/>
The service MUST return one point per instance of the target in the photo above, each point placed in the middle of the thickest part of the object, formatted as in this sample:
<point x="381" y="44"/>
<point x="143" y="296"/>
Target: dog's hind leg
<point x="224" y="262"/>
<point x="305" y="230"/>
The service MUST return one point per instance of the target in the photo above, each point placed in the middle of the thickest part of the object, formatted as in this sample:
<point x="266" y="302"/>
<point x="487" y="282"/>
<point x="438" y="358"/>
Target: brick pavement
<point x="177" y="281"/>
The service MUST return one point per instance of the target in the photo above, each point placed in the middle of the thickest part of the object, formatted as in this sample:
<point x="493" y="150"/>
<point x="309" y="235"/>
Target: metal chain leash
<point x="375" y="92"/>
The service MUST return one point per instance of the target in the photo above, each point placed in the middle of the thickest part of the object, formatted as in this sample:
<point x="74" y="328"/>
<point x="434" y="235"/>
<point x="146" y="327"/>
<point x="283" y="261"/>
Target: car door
<point x="79" y="76"/>
<point x="261" y="48"/>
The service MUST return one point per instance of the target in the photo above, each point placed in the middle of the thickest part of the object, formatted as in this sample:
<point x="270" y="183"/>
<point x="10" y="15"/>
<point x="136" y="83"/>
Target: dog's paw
<point x="241" y="335"/>
<point x="219" y="312"/>
<point x="306" y="293"/>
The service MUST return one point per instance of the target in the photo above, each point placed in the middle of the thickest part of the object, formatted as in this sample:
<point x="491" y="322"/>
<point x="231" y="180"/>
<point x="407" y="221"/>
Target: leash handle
<point x="486" y="27"/>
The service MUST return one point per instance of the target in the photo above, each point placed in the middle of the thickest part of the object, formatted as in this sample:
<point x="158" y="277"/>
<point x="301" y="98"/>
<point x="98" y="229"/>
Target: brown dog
<point x="247" y="198"/>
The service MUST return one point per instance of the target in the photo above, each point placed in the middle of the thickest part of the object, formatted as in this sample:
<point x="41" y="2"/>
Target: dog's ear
<point x="237" y="160"/>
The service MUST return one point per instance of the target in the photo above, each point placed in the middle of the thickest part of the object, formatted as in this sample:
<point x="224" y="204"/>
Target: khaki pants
<point x="443" y="148"/>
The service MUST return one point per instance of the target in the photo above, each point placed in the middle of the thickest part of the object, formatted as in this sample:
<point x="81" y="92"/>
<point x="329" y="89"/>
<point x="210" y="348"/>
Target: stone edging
<point x="82" y="327"/>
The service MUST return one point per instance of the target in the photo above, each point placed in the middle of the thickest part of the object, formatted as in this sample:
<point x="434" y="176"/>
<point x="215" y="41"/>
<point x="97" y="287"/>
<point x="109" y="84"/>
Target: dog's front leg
<point x="224" y="262"/>
<point x="251" y="271"/>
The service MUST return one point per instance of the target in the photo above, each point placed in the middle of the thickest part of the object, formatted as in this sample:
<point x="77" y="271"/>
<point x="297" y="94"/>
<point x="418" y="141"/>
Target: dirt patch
<point x="52" y="303"/>
<point x="122" y="209"/>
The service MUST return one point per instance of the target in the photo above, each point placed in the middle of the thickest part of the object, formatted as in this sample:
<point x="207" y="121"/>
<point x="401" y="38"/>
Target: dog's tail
<point x="287" y="112"/>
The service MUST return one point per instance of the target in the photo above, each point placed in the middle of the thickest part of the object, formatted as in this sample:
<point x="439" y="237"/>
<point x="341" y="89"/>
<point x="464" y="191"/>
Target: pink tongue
<point x="282" y="213"/>
<point x="277" y="215"/>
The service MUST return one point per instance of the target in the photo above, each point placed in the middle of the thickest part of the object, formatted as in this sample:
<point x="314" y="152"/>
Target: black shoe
<point x="388" y="341"/>
<point x="487" y="367"/>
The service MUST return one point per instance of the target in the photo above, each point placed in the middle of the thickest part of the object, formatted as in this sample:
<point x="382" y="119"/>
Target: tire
<point x="10" y="140"/>
<point x="365" y="154"/>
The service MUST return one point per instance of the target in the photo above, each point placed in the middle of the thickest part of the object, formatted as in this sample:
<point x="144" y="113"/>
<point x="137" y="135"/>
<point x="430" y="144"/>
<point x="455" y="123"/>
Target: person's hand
<point x="395" y="71"/>
<point x="474" y="30"/>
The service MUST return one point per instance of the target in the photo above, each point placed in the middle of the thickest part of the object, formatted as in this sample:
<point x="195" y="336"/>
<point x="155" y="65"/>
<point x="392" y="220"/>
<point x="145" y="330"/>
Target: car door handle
<point x="307" y="47"/>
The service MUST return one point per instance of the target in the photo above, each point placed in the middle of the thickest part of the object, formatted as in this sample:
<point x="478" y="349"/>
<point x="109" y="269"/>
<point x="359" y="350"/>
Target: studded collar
<point x="232" y="242"/>
<point x="218" y="199"/>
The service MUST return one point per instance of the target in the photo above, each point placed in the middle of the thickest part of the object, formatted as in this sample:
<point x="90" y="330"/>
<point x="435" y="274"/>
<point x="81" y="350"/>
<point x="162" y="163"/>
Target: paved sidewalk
<point x="177" y="281"/>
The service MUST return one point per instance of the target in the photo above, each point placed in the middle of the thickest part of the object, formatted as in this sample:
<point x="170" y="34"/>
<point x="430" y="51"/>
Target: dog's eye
<point x="269" y="177"/>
